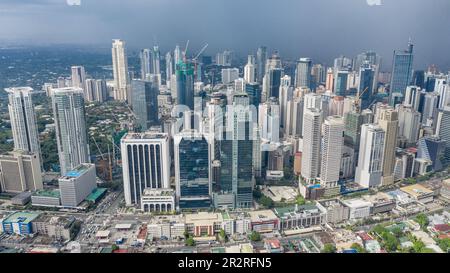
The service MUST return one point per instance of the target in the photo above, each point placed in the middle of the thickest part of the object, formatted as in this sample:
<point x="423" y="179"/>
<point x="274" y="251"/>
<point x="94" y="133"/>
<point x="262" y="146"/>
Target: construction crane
<point x="185" y="50"/>
<point x="357" y="103"/>
<point x="195" y="59"/>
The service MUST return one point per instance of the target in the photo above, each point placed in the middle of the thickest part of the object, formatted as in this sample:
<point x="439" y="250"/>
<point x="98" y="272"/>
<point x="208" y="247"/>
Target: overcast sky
<point x="321" y="29"/>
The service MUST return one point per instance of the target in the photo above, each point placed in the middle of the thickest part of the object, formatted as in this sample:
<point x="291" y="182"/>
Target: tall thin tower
<point x="120" y="70"/>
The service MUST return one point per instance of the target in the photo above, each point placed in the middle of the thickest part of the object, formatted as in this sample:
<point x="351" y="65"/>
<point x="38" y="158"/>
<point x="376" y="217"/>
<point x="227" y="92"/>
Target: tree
<point x="255" y="236"/>
<point x="223" y="235"/>
<point x="114" y="247"/>
<point x="391" y="242"/>
<point x="190" y="241"/>
<point x="300" y="200"/>
<point x="329" y="248"/>
<point x="444" y="244"/>
<point x="358" y="248"/>
<point x="422" y="220"/>
<point x="266" y="202"/>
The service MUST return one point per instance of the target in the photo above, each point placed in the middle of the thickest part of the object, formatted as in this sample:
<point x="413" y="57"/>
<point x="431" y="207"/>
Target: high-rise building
<point x="366" y="84"/>
<point x="409" y="125"/>
<point x="229" y="75"/>
<point x="146" y="164"/>
<point x="370" y="163"/>
<point x="272" y="78"/>
<point x="120" y="70"/>
<point x="235" y="185"/>
<point x="388" y="121"/>
<point x="145" y="103"/>
<point x="193" y="169"/>
<point x="177" y="55"/>
<point x="333" y="140"/>
<point x="146" y="62"/>
<point x="432" y="148"/>
<point x="71" y="133"/>
<point x="286" y="93"/>
<point x="269" y="120"/>
<point x="78" y="76"/>
<point x="185" y="84"/>
<point x="101" y="91"/>
<point x="412" y="97"/>
<point x="329" y="82"/>
<point x="156" y="60"/>
<point x="318" y="75"/>
<point x="261" y="58"/>
<point x="303" y="73"/>
<point x="23" y="119"/>
<point x="169" y="70"/>
<point x="77" y="184"/>
<point x="340" y="82"/>
<point x="443" y="130"/>
<point x="20" y="171"/>
<point x="294" y="117"/>
<point x="253" y="91"/>
<point x="401" y="71"/>
<point x="250" y="70"/>
<point x="312" y="120"/>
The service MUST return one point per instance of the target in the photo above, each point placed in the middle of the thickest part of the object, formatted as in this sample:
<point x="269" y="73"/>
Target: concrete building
<point x="419" y="193"/>
<point x="203" y="224"/>
<point x="77" y="184"/>
<point x="333" y="140"/>
<point x="381" y="202"/>
<point x="19" y="223"/>
<point x="71" y="133"/>
<point x="369" y="170"/>
<point x="311" y="145"/>
<point x="303" y="73"/>
<point x="336" y="210"/>
<point x="120" y="71"/>
<point x="20" y="171"/>
<point x="299" y="217"/>
<point x="23" y="119"/>
<point x="151" y="151"/>
<point x="229" y="75"/>
<point x="388" y="121"/>
<point x="264" y="221"/>
<point x="250" y="70"/>
<point x="57" y="227"/>
<point x="158" y="200"/>
<point x="359" y="209"/>
<point x="46" y="198"/>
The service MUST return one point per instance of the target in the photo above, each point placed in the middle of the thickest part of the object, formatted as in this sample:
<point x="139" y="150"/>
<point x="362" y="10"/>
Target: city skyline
<point x="349" y="26"/>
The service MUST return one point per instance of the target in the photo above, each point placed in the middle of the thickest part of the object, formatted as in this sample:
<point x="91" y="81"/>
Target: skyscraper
<point x="303" y="73"/>
<point x="145" y="103"/>
<point x="261" y="58"/>
<point x="185" y="84"/>
<point x="146" y="164"/>
<point x="272" y="78"/>
<point x="169" y="69"/>
<point x="177" y="55"/>
<point x="286" y="93"/>
<point x="250" y="70"/>
<point x="120" y="70"/>
<point x="370" y="163"/>
<point x="366" y="84"/>
<point x="156" y="60"/>
<point x="71" y="133"/>
<point x="333" y="140"/>
<point x="311" y="144"/>
<point x="340" y="82"/>
<point x="146" y="62"/>
<point x="388" y="121"/>
<point x="409" y="125"/>
<point x="192" y="169"/>
<point x="269" y="120"/>
<point x="401" y="71"/>
<point x="78" y="76"/>
<point x="23" y="120"/>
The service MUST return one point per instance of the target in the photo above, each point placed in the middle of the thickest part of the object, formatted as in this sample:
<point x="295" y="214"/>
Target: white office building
<point x="146" y="164"/>
<point x="120" y="70"/>
<point x="333" y="140"/>
<point x="370" y="162"/>
<point x="311" y="144"/>
<point x="77" y="184"/>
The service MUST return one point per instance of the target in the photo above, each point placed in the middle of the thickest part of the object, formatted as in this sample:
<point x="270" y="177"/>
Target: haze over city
<point x="321" y="29"/>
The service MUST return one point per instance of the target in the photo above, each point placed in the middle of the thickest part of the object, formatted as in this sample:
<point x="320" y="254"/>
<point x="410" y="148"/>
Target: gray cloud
<point x="321" y="29"/>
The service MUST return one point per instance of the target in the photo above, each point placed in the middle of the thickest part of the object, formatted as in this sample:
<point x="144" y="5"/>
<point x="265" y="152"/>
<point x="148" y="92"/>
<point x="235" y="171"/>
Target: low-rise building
<point x="381" y="202"/>
<point x="46" y="198"/>
<point x="158" y="200"/>
<point x="19" y="223"/>
<point x="273" y="246"/>
<point x="203" y="223"/>
<point x="77" y="184"/>
<point x="359" y="209"/>
<point x="20" y="171"/>
<point x="419" y="193"/>
<point x="336" y="210"/>
<point x="58" y="227"/>
<point x="445" y="190"/>
<point x="300" y="216"/>
<point x="263" y="221"/>
<point x="21" y="199"/>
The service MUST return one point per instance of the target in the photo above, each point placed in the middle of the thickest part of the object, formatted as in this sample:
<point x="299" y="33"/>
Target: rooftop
<point x="22" y="216"/>
<point x="47" y="193"/>
<point x="357" y="203"/>
<point x="95" y="194"/>
<point x="262" y="215"/>
<point x="416" y="190"/>
<point x="78" y="171"/>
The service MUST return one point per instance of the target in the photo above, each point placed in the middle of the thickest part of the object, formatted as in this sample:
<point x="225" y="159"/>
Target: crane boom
<point x="200" y="52"/>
